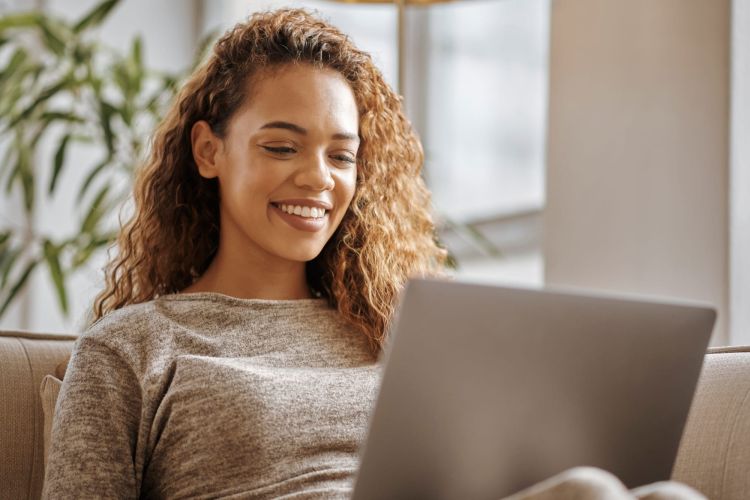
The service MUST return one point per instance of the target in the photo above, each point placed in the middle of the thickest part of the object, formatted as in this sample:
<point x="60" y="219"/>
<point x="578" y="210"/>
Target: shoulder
<point x="125" y="332"/>
<point x="126" y="321"/>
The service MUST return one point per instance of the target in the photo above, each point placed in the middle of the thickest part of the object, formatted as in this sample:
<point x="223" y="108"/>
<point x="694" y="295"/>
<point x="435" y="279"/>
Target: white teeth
<point x="308" y="212"/>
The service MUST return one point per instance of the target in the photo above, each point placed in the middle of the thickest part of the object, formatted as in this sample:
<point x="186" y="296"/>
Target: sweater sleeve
<point x="95" y="427"/>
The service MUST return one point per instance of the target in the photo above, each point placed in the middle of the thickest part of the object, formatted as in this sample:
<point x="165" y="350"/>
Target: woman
<point x="235" y="346"/>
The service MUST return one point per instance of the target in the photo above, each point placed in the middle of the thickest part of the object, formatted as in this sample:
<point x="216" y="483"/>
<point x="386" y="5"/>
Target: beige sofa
<point x="714" y="456"/>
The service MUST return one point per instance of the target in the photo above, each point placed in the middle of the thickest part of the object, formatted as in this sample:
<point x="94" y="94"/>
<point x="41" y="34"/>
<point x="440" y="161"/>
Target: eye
<point x="343" y="158"/>
<point x="280" y="150"/>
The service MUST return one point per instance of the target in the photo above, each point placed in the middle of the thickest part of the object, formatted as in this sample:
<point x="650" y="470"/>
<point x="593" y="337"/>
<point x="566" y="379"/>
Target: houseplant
<point x="59" y="85"/>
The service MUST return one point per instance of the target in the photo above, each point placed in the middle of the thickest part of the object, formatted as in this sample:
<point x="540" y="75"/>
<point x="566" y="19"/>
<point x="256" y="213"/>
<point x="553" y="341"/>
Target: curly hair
<point x="387" y="234"/>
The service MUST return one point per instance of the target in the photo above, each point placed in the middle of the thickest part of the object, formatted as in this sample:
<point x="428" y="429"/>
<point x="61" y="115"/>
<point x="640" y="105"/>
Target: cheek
<point x="253" y="180"/>
<point x="347" y="184"/>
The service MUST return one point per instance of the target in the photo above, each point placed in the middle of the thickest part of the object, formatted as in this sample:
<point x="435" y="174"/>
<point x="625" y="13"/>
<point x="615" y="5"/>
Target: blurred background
<point x="593" y="144"/>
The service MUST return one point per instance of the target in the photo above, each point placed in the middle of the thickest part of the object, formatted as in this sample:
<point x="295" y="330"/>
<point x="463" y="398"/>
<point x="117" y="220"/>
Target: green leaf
<point x="94" y="81"/>
<point x="27" y="181"/>
<point x="484" y="242"/>
<point x="4" y="245"/>
<point x="65" y="116"/>
<point x="5" y="248"/>
<point x="96" y="211"/>
<point x="52" y="256"/>
<point x="6" y="264"/>
<point x="92" y="175"/>
<point x="67" y="81"/>
<point x="84" y="253"/>
<point x="37" y="135"/>
<point x="84" y="139"/>
<point x="16" y="61"/>
<point x="23" y="169"/>
<point x="135" y="67"/>
<point x="18" y="286"/>
<point x="165" y="92"/>
<point x="23" y="20"/>
<point x="36" y="70"/>
<point x="14" y="92"/>
<point x="81" y="53"/>
<point x="52" y="36"/>
<point x="451" y="262"/>
<point x="11" y="150"/>
<point x="122" y="78"/>
<point x="22" y="159"/>
<point x="9" y="98"/>
<point x="106" y="238"/>
<point x="151" y="104"/>
<point x="59" y="162"/>
<point x="106" y="112"/>
<point x="14" y="173"/>
<point x="136" y="52"/>
<point x="8" y="159"/>
<point x="128" y="85"/>
<point x="472" y="235"/>
<point x="170" y="84"/>
<point x="95" y="16"/>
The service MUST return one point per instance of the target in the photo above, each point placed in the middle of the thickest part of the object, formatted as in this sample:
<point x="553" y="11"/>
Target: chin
<point x="302" y="254"/>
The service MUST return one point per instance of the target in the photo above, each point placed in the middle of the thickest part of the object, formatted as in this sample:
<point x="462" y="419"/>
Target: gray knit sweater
<point x="203" y="395"/>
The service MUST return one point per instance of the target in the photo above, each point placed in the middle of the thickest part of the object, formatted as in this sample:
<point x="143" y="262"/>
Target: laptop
<point x="489" y="390"/>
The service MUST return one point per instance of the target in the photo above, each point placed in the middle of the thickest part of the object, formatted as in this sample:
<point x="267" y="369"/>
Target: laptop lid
<point x="488" y="390"/>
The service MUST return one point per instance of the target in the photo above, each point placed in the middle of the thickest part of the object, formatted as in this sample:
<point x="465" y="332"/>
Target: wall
<point x="637" y="180"/>
<point x="739" y="281"/>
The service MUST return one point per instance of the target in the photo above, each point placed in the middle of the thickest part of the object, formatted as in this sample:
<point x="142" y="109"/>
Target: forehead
<point x="300" y="93"/>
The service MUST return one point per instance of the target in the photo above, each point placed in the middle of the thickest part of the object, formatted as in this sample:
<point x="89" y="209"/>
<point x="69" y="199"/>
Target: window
<point x="486" y="96"/>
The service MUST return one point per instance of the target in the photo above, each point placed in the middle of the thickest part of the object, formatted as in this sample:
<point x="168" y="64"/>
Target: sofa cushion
<point x="714" y="455"/>
<point x="48" y="392"/>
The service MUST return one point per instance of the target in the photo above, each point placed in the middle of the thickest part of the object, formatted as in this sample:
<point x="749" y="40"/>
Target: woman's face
<point x="287" y="164"/>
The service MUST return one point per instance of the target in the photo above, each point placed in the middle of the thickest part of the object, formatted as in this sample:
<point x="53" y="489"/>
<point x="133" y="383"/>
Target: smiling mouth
<point x="304" y="212"/>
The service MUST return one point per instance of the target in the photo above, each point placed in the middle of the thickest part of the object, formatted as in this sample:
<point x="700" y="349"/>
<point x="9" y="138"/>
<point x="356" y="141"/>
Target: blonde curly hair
<point x="387" y="234"/>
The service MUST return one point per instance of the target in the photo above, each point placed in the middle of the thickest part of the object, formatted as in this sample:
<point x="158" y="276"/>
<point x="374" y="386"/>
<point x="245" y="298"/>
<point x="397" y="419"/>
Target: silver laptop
<point x="489" y="390"/>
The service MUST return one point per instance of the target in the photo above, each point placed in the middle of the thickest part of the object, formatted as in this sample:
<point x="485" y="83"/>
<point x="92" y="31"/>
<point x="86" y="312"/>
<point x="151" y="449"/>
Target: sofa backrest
<point x="25" y="358"/>
<point x="714" y="455"/>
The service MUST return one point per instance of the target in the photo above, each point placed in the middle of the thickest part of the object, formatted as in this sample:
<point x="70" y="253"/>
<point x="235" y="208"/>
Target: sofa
<point x="714" y="454"/>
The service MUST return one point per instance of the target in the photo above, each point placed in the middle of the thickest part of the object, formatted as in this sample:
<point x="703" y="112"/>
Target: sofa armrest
<point x="714" y="454"/>
<point x="25" y="358"/>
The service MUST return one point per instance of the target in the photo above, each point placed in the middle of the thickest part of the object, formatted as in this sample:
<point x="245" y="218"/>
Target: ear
<point x="206" y="147"/>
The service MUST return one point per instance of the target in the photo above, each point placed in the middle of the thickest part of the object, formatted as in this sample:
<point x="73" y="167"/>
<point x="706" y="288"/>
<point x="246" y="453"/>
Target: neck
<point x="248" y="275"/>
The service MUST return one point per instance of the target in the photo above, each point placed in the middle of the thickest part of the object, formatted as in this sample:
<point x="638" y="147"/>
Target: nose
<point x="315" y="174"/>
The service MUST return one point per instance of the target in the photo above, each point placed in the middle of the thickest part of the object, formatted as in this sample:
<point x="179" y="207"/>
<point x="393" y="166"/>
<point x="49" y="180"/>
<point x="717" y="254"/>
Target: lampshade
<point x="406" y="2"/>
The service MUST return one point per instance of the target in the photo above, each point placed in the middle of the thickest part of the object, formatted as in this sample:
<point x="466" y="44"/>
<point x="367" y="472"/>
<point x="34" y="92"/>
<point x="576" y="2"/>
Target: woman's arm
<point x="95" y="428"/>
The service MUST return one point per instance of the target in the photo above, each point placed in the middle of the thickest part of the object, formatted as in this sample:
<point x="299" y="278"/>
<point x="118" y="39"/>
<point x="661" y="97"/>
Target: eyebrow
<point x="302" y="131"/>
